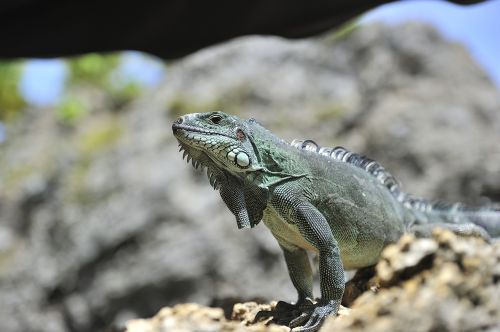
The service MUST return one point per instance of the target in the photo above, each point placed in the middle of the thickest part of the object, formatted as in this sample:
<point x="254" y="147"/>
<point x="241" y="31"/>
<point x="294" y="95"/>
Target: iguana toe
<point x="314" y="318"/>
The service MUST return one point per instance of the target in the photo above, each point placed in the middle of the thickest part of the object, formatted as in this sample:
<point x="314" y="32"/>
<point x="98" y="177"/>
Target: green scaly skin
<point x="309" y="202"/>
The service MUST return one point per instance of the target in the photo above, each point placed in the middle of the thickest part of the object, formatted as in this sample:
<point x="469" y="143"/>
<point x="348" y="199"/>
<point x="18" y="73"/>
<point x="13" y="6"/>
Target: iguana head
<point x="223" y="139"/>
<point x="223" y="144"/>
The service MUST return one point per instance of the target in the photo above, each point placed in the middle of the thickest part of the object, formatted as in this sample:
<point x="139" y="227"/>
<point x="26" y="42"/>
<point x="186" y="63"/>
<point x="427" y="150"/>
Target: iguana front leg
<point x="314" y="228"/>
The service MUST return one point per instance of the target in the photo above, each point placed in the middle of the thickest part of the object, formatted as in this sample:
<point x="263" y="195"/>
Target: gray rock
<point x="445" y="283"/>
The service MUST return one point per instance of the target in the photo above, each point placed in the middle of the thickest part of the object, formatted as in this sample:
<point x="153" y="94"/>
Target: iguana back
<point x="425" y="211"/>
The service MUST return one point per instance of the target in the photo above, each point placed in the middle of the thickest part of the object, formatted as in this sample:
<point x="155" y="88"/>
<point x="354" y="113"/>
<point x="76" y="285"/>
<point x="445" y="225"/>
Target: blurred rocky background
<point x="102" y="221"/>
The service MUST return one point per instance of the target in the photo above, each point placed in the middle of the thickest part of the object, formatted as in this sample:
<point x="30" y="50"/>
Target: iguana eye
<point x="215" y="118"/>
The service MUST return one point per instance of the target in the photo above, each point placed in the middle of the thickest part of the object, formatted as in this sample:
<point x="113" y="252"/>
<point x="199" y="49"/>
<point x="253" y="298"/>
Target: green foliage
<point x="125" y="93"/>
<point x="70" y="110"/>
<point x="344" y="30"/>
<point x="90" y="72"/>
<point x="94" y="69"/>
<point x="11" y="101"/>
<point x="99" y="137"/>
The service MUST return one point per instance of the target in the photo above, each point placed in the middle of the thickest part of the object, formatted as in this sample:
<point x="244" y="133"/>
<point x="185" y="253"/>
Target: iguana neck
<point x="278" y="160"/>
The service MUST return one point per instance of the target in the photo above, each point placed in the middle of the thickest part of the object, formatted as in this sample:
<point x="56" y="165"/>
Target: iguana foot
<point x="284" y="313"/>
<point x="311" y="319"/>
<point x="302" y="317"/>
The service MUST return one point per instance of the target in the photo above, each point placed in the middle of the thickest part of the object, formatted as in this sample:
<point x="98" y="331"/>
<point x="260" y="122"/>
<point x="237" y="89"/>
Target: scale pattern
<point x="372" y="167"/>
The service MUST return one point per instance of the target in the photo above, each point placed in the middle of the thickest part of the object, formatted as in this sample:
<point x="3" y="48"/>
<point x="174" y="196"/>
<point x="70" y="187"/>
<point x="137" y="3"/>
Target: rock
<point x="446" y="283"/>
<point x="193" y="317"/>
<point x="103" y="222"/>
<point x="394" y="267"/>
<point x="245" y="312"/>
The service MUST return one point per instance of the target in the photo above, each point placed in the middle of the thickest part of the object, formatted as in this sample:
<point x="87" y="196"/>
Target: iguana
<point x="340" y="205"/>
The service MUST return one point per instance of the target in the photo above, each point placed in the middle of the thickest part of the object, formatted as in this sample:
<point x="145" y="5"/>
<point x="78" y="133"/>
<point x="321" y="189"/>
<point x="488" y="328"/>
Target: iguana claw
<point x="302" y="317"/>
<point x="314" y="317"/>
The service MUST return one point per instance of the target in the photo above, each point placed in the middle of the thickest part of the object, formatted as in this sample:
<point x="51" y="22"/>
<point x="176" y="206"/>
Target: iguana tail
<point x="487" y="218"/>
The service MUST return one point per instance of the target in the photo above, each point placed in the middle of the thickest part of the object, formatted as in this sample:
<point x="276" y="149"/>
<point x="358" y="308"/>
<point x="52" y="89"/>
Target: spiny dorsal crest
<point x="370" y="166"/>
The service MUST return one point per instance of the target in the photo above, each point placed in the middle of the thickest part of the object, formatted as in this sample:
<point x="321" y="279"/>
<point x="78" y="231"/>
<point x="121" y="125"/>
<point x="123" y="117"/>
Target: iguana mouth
<point x="178" y="126"/>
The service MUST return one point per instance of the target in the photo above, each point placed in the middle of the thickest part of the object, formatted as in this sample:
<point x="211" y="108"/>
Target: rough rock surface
<point x="193" y="317"/>
<point x="101" y="221"/>
<point x="445" y="283"/>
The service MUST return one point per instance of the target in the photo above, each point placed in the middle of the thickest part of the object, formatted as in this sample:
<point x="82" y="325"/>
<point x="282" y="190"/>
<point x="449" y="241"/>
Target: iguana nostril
<point x="175" y="125"/>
